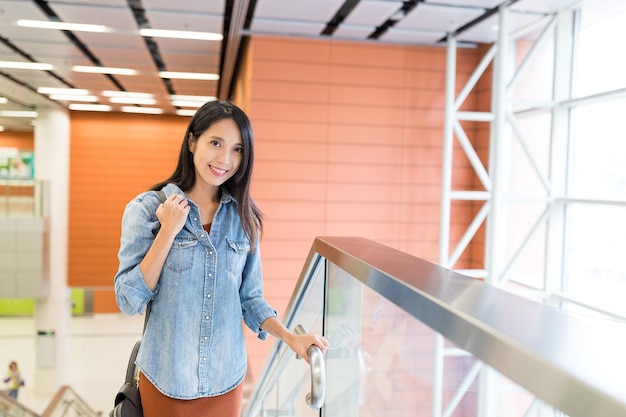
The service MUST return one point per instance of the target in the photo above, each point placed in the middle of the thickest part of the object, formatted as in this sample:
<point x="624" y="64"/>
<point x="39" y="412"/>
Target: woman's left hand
<point x="300" y="343"/>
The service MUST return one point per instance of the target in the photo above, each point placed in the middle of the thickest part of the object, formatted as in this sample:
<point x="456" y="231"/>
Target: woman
<point x="14" y="379"/>
<point x="196" y="257"/>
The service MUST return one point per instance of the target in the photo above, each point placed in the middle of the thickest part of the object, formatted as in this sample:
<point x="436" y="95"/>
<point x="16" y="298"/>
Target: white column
<point x="53" y="313"/>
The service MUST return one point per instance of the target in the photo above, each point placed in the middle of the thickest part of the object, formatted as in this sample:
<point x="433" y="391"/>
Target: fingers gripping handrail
<point x="315" y="399"/>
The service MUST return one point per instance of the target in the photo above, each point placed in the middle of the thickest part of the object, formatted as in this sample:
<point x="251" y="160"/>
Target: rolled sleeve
<point x="138" y="230"/>
<point x="255" y="309"/>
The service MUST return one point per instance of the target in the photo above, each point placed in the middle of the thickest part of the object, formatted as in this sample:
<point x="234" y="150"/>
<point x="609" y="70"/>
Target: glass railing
<point x="23" y="198"/>
<point x="409" y="338"/>
<point x="66" y="403"/>
<point x="10" y="407"/>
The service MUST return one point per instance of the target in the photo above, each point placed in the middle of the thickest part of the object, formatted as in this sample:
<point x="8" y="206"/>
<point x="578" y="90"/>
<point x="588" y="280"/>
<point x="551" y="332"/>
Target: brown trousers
<point x="155" y="404"/>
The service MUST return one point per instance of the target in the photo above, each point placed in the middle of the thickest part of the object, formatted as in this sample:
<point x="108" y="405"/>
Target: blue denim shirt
<point x="193" y="345"/>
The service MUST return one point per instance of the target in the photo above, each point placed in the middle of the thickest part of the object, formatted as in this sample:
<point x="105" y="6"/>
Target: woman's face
<point x="217" y="153"/>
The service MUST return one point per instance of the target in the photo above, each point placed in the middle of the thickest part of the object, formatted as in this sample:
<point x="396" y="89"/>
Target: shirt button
<point x="210" y="274"/>
<point x="208" y="296"/>
<point x="195" y="219"/>
<point x="210" y="253"/>
<point x="206" y="318"/>
<point x="203" y="359"/>
<point x="206" y="338"/>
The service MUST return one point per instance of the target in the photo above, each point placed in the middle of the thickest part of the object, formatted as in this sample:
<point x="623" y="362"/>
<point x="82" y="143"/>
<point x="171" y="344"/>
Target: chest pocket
<point x="181" y="254"/>
<point x="236" y="254"/>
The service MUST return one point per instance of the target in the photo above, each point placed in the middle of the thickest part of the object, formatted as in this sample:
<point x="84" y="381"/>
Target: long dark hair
<point x="184" y="176"/>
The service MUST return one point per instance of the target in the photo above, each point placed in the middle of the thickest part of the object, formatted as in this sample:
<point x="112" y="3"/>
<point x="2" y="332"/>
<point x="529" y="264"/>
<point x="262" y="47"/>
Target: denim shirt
<point x="193" y="345"/>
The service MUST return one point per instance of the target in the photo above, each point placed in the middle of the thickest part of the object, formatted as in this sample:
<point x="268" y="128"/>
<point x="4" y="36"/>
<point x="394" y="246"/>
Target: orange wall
<point x="24" y="141"/>
<point x="348" y="142"/>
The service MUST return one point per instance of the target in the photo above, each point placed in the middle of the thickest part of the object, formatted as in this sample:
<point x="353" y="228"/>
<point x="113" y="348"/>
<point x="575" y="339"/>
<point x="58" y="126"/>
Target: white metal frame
<point x="494" y="198"/>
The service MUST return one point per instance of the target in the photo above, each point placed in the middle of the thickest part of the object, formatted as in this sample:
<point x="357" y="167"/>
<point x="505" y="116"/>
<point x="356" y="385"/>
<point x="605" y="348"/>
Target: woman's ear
<point x="191" y="142"/>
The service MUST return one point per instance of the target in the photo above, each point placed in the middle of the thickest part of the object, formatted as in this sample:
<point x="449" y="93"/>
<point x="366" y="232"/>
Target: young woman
<point x="196" y="257"/>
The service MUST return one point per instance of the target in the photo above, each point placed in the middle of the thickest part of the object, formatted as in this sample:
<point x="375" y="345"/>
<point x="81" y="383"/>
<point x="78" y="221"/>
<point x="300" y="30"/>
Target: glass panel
<point x="598" y="149"/>
<point x="381" y="363"/>
<point x="595" y="245"/>
<point x="288" y="396"/>
<point x="599" y="69"/>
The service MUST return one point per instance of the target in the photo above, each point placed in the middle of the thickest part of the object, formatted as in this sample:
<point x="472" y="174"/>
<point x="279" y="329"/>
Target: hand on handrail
<point x="315" y="399"/>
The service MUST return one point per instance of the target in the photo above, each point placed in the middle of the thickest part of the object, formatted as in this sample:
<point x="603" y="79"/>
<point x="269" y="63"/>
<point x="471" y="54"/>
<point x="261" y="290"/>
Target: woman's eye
<point x="215" y="143"/>
<point x="239" y="149"/>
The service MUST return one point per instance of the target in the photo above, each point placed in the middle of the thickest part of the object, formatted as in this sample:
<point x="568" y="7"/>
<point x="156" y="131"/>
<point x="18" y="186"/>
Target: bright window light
<point x="181" y="34"/>
<point x="189" y="75"/>
<point x="104" y="70"/>
<point x="46" y="24"/>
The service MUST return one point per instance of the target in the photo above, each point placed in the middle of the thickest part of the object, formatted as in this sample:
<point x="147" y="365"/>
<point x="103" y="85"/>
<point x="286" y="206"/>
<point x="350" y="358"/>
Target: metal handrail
<point x="315" y="398"/>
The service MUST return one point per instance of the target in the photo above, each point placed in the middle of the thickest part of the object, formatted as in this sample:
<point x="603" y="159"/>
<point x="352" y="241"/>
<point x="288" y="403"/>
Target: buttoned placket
<point x="206" y="332"/>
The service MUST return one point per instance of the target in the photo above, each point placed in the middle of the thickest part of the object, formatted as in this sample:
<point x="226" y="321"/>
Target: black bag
<point x="127" y="401"/>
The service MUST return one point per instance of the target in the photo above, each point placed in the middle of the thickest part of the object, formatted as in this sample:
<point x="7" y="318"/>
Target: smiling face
<point x="217" y="153"/>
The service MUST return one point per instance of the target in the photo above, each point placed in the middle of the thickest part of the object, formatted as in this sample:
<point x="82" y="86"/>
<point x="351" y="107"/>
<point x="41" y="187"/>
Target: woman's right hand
<point x="172" y="214"/>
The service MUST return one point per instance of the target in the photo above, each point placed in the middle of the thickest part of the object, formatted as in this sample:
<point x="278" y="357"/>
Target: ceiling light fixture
<point x="126" y="94"/>
<point x="189" y="75"/>
<point x="183" y="103"/>
<point x="18" y="113"/>
<point x="132" y="100"/>
<point x="145" y="110"/>
<point x="181" y="34"/>
<point x="73" y="97"/>
<point x="54" y="90"/>
<point x="202" y="99"/>
<point x="26" y="65"/>
<point x="104" y="70"/>
<point x="89" y="107"/>
<point x="185" y="112"/>
<point x="4" y="100"/>
<point x="46" y="24"/>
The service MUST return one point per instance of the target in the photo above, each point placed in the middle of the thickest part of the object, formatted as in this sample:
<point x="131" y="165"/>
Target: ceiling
<point x="121" y="46"/>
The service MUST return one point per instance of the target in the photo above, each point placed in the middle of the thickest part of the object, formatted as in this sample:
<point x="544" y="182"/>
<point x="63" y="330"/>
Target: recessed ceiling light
<point x="46" y="24"/>
<point x="26" y="65"/>
<point x="145" y="110"/>
<point x="181" y="34"/>
<point x="126" y="94"/>
<point x="18" y="113"/>
<point x="104" y="70"/>
<point x="54" y="90"/>
<point x="4" y="100"/>
<point x="183" y="103"/>
<point x="133" y="100"/>
<point x="73" y="97"/>
<point x="189" y="75"/>
<point x="89" y="107"/>
<point x="185" y="112"/>
<point x="202" y="99"/>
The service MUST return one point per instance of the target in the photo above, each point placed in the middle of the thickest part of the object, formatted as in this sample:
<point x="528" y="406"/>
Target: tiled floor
<point x="98" y="345"/>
